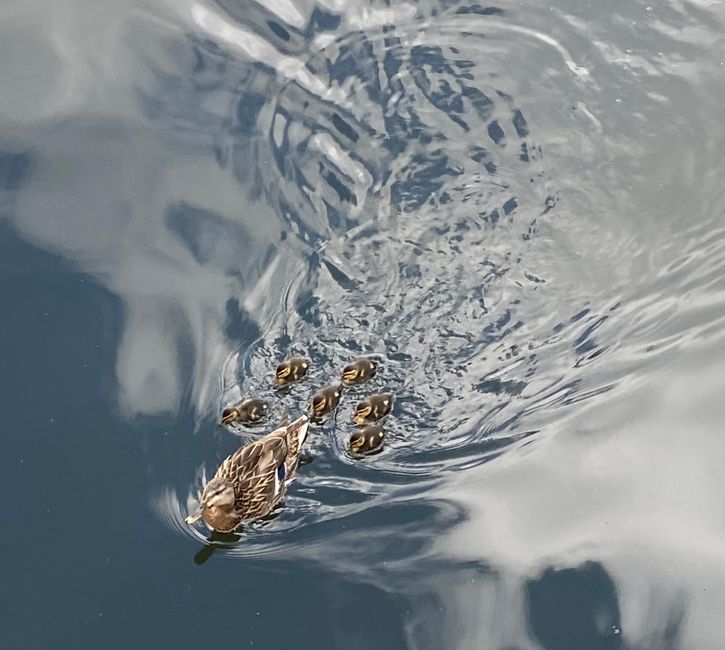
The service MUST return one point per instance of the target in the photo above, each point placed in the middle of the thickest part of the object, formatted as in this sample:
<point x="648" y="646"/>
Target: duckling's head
<point x="362" y="411"/>
<point x="229" y="415"/>
<point x="357" y="443"/>
<point x="350" y="373"/>
<point x="318" y="403"/>
<point x="282" y="373"/>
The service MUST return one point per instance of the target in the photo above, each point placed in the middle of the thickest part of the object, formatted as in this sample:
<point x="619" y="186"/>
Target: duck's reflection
<point x="216" y="541"/>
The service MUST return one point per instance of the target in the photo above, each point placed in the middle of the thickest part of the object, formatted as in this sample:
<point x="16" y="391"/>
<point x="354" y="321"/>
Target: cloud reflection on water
<point x="152" y="231"/>
<point x="180" y="180"/>
<point x="633" y="483"/>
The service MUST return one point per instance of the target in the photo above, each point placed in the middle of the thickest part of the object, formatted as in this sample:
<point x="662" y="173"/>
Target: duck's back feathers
<point x="260" y="471"/>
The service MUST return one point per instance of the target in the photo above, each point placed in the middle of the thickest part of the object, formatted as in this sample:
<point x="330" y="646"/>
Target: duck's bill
<point x="193" y="517"/>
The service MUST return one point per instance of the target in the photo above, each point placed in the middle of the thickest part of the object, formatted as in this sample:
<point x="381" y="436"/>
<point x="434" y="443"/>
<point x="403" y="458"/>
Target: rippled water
<point x="517" y="208"/>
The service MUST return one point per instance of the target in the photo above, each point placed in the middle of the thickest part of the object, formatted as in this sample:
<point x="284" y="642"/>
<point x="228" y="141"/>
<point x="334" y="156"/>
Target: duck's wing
<point x="257" y="472"/>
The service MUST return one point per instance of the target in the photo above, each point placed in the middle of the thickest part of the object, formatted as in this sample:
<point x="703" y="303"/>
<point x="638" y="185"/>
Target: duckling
<point x="359" y="371"/>
<point x="368" y="440"/>
<point x="252" y="481"/>
<point x="325" y="400"/>
<point x="372" y="408"/>
<point x="293" y="369"/>
<point x="249" y="410"/>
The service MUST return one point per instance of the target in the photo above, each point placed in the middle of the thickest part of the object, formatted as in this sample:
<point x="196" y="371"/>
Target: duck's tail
<point x="296" y="436"/>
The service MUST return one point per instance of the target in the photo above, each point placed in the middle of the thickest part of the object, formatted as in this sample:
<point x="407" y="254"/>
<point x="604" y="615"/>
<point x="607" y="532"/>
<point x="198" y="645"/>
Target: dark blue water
<point x="518" y="209"/>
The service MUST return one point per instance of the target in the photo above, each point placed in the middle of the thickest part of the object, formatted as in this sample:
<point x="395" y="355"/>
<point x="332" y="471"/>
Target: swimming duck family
<point x="252" y="481"/>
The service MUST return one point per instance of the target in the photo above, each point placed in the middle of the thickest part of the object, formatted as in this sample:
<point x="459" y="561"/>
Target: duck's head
<point x="218" y="493"/>
<point x="217" y="505"/>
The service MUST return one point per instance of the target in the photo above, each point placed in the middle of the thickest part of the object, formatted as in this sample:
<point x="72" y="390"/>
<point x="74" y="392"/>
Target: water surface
<point x="518" y="209"/>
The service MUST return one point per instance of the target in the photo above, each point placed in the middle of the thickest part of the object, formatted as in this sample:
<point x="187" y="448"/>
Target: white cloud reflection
<point x="634" y="483"/>
<point x="110" y="207"/>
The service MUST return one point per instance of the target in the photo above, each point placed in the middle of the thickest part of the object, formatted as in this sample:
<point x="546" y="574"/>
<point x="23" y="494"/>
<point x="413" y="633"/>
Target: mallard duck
<point x="252" y="481"/>
<point x="367" y="440"/>
<point x="372" y="408"/>
<point x="325" y="400"/>
<point x="359" y="371"/>
<point x="292" y="369"/>
<point x="249" y="410"/>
